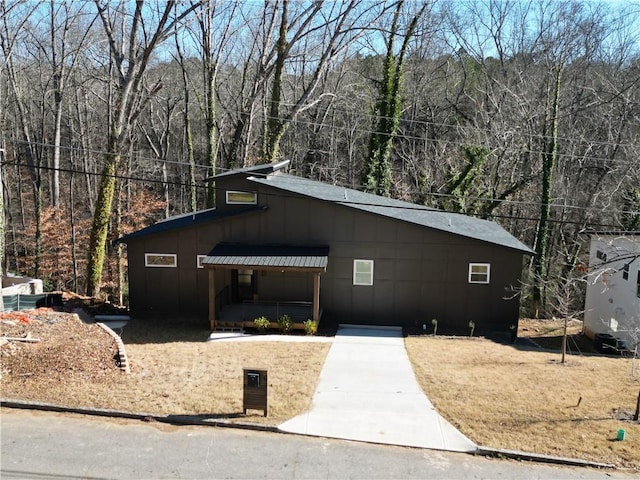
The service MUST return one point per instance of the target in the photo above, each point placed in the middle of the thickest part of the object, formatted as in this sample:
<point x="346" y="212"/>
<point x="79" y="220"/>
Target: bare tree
<point x="63" y="57"/>
<point x="132" y="43"/>
<point x="13" y="21"/>
<point x="389" y="103"/>
<point x="338" y="26"/>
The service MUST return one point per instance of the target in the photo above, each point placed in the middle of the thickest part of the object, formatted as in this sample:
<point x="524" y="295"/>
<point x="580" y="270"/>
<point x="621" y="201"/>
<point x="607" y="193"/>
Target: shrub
<point x="262" y="323"/>
<point x="285" y="323"/>
<point x="310" y="327"/>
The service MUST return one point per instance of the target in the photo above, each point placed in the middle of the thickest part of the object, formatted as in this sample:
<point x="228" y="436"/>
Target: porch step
<point x="229" y="327"/>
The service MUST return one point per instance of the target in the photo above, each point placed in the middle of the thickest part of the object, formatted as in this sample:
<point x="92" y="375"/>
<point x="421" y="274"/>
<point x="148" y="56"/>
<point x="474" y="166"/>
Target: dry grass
<point x="175" y="371"/>
<point x="505" y="397"/>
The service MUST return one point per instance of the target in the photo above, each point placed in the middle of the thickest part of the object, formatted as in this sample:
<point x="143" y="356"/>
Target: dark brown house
<point x="279" y="241"/>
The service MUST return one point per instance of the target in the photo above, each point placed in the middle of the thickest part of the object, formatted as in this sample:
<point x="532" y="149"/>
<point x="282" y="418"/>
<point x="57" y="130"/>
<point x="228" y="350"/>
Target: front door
<point x="243" y="285"/>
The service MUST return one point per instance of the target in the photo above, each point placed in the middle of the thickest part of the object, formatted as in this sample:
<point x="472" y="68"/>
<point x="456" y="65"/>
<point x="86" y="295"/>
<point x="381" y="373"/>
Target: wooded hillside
<point x="113" y="113"/>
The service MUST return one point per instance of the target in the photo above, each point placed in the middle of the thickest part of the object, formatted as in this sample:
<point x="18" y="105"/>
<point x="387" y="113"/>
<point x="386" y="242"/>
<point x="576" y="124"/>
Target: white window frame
<point x="199" y="259"/>
<point x="356" y="272"/>
<point x="147" y="256"/>
<point x="486" y="274"/>
<point x="241" y="202"/>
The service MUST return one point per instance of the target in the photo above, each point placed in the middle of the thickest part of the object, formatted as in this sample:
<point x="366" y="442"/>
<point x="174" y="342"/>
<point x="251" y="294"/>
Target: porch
<point x="239" y="316"/>
<point x="244" y="261"/>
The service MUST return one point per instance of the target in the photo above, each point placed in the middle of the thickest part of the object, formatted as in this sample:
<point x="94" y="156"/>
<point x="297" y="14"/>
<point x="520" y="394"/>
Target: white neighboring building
<point x="612" y="302"/>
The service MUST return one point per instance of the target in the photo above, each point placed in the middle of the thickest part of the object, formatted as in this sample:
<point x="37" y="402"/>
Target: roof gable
<point x="263" y="169"/>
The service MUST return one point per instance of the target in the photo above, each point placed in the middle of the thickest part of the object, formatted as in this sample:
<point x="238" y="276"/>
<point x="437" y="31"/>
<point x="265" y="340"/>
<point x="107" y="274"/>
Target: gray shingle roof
<point x="186" y="220"/>
<point x="455" y="223"/>
<point x="274" y="256"/>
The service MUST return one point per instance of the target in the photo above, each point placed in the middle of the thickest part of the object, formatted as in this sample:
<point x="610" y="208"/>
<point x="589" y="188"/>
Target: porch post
<point x="212" y="298"/>
<point x="316" y="296"/>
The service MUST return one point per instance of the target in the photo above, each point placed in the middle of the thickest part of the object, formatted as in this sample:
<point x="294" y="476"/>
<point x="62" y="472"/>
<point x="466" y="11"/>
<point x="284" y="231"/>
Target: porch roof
<point x="268" y="257"/>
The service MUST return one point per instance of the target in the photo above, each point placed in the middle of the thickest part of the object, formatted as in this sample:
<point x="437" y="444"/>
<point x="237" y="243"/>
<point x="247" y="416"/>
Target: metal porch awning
<point x="268" y="257"/>
<point x="310" y="259"/>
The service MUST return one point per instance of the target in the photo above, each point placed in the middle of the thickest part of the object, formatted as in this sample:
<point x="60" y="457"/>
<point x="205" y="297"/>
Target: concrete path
<point x="367" y="391"/>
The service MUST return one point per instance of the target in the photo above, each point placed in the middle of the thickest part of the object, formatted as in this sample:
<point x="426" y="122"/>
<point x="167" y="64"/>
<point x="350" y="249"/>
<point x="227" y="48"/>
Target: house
<point x="328" y="252"/>
<point x="612" y="303"/>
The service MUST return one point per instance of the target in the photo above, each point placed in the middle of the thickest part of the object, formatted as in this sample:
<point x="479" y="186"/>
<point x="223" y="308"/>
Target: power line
<point x="96" y="174"/>
<point x="370" y="117"/>
<point x="103" y="153"/>
<point x="430" y="194"/>
<point x="408" y="206"/>
<point x="435" y="141"/>
<point x="560" y="155"/>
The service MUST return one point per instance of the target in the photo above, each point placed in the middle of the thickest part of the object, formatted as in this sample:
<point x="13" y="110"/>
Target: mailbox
<point x="255" y="390"/>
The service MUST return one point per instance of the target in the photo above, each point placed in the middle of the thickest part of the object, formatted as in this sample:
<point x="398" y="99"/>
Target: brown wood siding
<point x="419" y="274"/>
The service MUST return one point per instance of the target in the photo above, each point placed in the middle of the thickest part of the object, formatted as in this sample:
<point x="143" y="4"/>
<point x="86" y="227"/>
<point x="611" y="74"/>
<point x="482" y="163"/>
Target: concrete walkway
<point x="367" y="391"/>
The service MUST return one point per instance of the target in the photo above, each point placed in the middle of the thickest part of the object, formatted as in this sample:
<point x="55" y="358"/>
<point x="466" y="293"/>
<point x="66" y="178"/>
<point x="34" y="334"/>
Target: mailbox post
<point x="255" y="390"/>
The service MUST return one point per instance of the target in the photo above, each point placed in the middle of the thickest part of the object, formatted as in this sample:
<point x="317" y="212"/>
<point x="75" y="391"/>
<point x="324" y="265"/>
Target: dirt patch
<point x="47" y="346"/>
<point x="548" y="334"/>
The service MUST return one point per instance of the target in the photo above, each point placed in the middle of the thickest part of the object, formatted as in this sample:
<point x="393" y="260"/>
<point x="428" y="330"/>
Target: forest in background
<point x="113" y="113"/>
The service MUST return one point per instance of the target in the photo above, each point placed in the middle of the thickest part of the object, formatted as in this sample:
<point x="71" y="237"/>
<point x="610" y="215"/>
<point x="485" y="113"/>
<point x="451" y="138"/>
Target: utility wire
<point x="426" y="193"/>
<point x="407" y="121"/>
<point x="98" y="174"/>
<point x="436" y="141"/>
<point x="408" y="205"/>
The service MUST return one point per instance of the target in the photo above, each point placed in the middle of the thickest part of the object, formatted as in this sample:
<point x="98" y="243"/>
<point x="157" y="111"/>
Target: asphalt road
<point x="43" y="445"/>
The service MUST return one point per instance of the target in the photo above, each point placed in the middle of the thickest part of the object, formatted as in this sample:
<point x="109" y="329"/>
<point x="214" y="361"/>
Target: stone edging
<point x="123" y="361"/>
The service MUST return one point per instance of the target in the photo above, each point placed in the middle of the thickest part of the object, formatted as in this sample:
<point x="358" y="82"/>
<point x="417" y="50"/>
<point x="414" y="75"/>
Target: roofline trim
<point x="266" y="167"/>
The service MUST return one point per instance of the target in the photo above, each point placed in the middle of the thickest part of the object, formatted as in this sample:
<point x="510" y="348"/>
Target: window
<point x="625" y="272"/>
<point x="169" y="260"/>
<point x="241" y="198"/>
<point x="245" y="278"/>
<point x="600" y="255"/>
<point x="363" y="272"/>
<point x="479" y="272"/>
<point x="199" y="260"/>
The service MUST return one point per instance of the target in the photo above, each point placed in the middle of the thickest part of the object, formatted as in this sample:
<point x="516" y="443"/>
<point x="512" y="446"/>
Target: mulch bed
<point x="62" y="348"/>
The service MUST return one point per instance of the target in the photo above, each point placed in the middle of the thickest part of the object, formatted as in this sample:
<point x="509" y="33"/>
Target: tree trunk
<point x="549" y="157"/>
<point x="100" y="226"/>
<point x="119" y="251"/>
<point x="74" y="247"/>
<point x="388" y="109"/>
<point x="37" y="198"/>
<point x="193" y="192"/>
<point x="131" y="99"/>
<point x="81" y="108"/>
<point x="212" y="134"/>
<point x="55" y="174"/>
<point x="272" y="129"/>
<point x="2" y="232"/>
